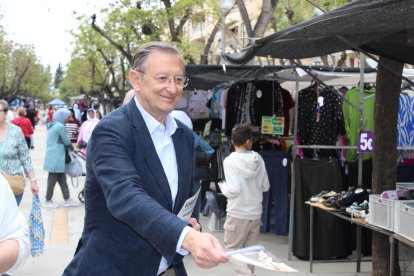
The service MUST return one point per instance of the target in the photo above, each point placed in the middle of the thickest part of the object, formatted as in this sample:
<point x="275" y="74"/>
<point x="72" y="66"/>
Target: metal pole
<point x="223" y="36"/>
<point x="292" y="183"/>
<point x="361" y="111"/>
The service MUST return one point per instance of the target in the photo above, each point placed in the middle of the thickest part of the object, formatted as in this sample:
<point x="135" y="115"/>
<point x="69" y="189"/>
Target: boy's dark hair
<point x="240" y="134"/>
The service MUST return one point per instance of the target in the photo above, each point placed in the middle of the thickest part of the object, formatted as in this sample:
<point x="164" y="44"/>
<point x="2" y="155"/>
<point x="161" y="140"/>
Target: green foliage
<point x="21" y="74"/>
<point x="303" y="10"/>
<point x="58" y="76"/>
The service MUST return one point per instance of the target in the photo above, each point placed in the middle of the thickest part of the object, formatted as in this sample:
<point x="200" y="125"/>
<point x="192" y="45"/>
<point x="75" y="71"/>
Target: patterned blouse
<point x="14" y="152"/>
<point x="320" y="120"/>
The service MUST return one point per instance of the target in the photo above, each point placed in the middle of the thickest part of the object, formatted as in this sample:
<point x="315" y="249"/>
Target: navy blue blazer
<point x="129" y="218"/>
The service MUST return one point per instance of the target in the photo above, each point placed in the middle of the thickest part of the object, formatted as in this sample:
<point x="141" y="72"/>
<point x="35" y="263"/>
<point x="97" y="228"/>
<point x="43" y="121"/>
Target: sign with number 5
<point x="365" y="141"/>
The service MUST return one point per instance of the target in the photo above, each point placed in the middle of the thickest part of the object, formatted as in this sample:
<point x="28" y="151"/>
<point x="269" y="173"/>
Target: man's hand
<point x="205" y="249"/>
<point x="194" y="223"/>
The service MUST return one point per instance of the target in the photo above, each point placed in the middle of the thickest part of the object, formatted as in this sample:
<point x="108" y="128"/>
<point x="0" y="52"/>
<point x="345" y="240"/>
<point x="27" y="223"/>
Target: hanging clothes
<point x="352" y="119"/>
<point x="215" y="107"/>
<point x="197" y="105"/>
<point x="288" y="104"/>
<point x="320" y="119"/>
<point x="405" y="127"/>
<point x="332" y="234"/>
<point x="247" y="102"/>
<point x="278" y="172"/>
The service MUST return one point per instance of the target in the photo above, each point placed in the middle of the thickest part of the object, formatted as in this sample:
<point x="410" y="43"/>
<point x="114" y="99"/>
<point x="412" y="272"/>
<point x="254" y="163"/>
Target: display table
<point x="359" y="222"/>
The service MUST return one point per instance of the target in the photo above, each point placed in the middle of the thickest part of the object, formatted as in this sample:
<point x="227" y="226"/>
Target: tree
<point x="108" y="43"/>
<point x="58" y="76"/>
<point x="385" y="151"/>
<point x="20" y="72"/>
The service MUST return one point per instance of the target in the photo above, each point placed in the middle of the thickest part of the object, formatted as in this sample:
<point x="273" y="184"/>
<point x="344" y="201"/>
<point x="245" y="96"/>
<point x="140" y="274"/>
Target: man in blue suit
<point x="139" y="174"/>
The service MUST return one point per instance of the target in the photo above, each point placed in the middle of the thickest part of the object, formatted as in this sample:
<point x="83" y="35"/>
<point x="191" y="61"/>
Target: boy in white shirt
<point x="246" y="180"/>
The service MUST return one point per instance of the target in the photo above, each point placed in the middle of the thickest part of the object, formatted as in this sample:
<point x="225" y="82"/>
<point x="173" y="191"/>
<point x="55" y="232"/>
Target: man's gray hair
<point x="142" y="53"/>
<point x="4" y="105"/>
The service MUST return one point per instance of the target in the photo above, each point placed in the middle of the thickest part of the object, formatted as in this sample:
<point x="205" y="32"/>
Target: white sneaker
<point x="50" y="204"/>
<point x="70" y="203"/>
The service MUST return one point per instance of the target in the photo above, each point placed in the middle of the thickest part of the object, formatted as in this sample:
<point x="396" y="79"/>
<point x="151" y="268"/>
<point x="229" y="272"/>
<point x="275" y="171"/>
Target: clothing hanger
<point x="315" y="155"/>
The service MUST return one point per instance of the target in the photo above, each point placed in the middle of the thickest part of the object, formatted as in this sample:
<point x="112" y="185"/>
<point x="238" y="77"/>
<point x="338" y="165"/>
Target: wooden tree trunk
<point x="385" y="152"/>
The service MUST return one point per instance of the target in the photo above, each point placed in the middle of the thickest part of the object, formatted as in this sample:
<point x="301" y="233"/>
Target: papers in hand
<point x="257" y="255"/>
<point x="188" y="207"/>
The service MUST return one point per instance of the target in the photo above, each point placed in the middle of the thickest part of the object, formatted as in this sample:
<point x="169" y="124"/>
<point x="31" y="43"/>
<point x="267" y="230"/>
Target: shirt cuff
<point x="178" y="249"/>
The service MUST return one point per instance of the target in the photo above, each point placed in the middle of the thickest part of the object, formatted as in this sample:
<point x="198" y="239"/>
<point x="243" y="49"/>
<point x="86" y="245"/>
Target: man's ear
<point x="135" y="79"/>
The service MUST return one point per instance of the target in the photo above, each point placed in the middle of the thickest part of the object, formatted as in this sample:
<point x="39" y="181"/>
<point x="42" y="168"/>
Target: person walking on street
<point x="139" y="175"/>
<point x="24" y="124"/>
<point x="31" y="114"/>
<point x="72" y="127"/>
<point x="246" y="180"/>
<point x="54" y="162"/>
<point x="85" y="131"/>
<point x="11" y="114"/>
<point x="14" y="152"/>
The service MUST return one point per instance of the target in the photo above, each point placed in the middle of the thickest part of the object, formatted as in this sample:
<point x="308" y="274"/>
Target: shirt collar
<point x="152" y="123"/>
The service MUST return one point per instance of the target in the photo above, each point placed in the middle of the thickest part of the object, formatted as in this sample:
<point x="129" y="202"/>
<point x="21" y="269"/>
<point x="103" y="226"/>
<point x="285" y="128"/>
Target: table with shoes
<point x="352" y="206"/>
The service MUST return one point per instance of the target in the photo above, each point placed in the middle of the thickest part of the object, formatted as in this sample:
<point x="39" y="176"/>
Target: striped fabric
<point x="405" y="124"/>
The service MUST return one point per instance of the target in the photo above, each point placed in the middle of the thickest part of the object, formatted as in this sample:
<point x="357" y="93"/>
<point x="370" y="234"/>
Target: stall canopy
<point x="207" y="76"/>
<point x="56" y="102"/>
<point x="381" y="27"/>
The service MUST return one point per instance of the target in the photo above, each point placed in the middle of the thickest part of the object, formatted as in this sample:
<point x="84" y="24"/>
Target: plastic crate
<point x="404" y="219"/>
<point x="381" y="212"/>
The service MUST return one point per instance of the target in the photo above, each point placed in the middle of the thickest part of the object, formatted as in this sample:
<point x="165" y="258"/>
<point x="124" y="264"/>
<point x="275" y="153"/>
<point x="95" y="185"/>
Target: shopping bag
<point x="74" y="167"/>
<point x="37" y="232"/>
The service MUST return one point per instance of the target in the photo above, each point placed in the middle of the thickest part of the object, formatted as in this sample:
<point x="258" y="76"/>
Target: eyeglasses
<point x="180" y="81"/>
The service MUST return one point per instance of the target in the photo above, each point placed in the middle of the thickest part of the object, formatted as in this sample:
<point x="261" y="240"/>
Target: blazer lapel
<point x="148" y="150"/>
<point x="183" y="167"/>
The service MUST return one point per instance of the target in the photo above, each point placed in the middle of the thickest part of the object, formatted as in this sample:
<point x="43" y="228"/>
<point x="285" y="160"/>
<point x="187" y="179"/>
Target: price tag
<point x="273" y="125"/>
<point x="365" y="141"/>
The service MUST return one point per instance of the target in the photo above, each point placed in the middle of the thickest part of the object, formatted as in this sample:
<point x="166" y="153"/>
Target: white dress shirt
<point x="161" y="137"/>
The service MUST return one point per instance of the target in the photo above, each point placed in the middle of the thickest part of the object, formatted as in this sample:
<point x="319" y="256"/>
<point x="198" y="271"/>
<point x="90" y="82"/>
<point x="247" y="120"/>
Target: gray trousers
<point x="51" y="182"/>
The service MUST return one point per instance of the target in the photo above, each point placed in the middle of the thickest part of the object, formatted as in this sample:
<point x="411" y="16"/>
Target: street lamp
<point x="225" y="7"/>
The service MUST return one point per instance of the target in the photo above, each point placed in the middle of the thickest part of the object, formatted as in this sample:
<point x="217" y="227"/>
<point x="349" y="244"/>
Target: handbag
<point x="37" y="232"/>
<point x="16" y="183"/>
<point x="74" y="167"/>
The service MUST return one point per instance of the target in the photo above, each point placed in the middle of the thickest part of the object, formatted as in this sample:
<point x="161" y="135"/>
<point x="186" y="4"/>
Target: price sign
<point x="365" y="141"/>
<point x="273" y="125"/>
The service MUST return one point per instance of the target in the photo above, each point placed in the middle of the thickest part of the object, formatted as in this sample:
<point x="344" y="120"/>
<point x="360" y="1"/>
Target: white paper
<point x="258" y="256"/>
<point x="188" y="207"/>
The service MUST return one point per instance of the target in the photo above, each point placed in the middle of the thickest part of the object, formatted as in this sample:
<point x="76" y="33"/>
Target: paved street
<point x="63" y="227"/>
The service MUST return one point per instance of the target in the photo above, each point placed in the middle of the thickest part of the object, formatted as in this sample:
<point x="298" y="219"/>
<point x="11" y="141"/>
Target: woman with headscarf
<point x="78" y="112"/>
<point x="86" y="129"/>
<point x="54" y="162"/>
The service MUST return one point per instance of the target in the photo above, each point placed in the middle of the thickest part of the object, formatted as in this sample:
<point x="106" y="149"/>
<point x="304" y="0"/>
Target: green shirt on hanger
<point x="352" y="118"/>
